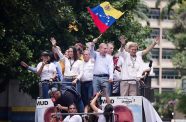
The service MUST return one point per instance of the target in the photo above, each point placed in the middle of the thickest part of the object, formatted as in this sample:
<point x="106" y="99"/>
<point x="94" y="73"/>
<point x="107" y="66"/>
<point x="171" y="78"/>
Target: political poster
<point x="126" y="108"/>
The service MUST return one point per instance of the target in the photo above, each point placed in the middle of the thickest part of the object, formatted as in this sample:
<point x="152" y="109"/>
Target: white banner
<point x="42" y="106"/>
<point x="150" y="113"/>
<point x="126" y="108"/>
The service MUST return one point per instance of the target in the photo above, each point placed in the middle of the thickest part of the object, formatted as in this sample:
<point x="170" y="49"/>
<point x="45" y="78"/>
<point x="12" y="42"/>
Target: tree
<point x="165" y="104"/>
<point x="178" y="36"/>
<point x="27" y="25"/>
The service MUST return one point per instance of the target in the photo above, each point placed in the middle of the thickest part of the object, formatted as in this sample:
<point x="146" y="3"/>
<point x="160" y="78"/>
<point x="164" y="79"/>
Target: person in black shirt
<point x="65" y="98"/>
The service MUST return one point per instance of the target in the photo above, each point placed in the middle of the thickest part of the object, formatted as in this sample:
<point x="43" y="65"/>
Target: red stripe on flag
<point x="101" y="26"/>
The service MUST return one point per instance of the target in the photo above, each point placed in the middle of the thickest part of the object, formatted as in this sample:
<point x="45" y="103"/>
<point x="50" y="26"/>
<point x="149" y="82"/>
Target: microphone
<point x="150" y="63"/>
<point x="146" y="74"/>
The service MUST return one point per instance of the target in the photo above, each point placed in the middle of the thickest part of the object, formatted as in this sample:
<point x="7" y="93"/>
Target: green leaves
<point x="27" y="25"/>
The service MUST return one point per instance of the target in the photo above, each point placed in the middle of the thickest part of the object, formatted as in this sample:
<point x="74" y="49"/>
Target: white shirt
<point x="101" y="117"/>
<point x="87" y="69"/>
<point x="74" y="118"/>
<point x="132" y="68"/>
<point x="117" y="74"/>
<point x="47" y="72"/>
<point x="72" y="68"/>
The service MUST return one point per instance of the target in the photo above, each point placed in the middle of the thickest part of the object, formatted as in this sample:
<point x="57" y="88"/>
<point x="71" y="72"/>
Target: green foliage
<point x="178" y="36"/>
<point x="165" y="103"/>
<point x="181" y="103"/>
<point x="27" y="25"/>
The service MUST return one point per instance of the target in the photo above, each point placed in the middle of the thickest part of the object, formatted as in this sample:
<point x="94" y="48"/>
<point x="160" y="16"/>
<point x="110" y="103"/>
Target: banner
<point x="44" y="107"/>
<point x="126" y="108"/>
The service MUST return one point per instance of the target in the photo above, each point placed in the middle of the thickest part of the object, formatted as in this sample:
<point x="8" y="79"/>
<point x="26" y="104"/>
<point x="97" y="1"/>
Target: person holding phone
<point x="47" y="72"/>
<point x="105" y="115"/>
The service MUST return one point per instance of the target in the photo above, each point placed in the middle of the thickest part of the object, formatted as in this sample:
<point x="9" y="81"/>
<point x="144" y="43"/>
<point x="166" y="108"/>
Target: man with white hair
<point x="133" y="66"/>
<point x="87" y="77"/>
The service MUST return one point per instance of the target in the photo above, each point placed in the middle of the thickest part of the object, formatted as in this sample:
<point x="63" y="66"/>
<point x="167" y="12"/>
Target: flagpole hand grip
<point x="99" y="36"/>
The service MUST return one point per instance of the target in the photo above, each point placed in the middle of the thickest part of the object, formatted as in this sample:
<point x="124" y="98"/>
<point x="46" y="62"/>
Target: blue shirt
<point x="103" y="64"/>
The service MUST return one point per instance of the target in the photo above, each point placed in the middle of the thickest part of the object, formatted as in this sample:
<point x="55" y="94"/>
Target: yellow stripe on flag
<point x="109" y="10"/>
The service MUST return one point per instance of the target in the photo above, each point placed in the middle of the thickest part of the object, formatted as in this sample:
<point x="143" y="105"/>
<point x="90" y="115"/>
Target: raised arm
<point x="93" y="103"/>
<point x="56" y="49"/>
<point x="122" y="40"/>
<point x="30" y="68"/>
<point x="148" y="49"/>
<point x="92" y="50"/>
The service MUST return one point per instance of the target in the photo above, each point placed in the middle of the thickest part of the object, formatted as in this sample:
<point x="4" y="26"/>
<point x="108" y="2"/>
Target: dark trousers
<point x="86" y="91"/>
<point x="68" y="83"/>
<point x="45" y="88"/>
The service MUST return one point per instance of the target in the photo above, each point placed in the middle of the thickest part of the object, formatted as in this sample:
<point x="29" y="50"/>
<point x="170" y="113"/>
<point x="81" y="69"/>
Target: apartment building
<point x="166" y="77"/>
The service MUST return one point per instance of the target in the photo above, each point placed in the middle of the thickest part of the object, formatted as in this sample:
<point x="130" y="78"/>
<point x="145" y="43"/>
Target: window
<point x="156" y="72"/>
<point x="184" y="84"/>
<point x="167" y="53"/>
<point x="155" y="32"/>
<point x="168" y="16"/>
<point x="155" y="53"/>
<point x="154" y="13"/>
<point x="164" y="33"/>
<point x="167" y="90"/>
<point x="170" y="74"/>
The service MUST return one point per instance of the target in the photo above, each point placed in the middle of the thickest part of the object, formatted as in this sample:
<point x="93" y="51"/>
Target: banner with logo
<point x="126" y="108"/>
<point x="44" y="108"/>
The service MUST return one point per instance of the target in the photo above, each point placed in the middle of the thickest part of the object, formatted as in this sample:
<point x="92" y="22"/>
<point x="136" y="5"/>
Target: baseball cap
<point x="45" y="53"/>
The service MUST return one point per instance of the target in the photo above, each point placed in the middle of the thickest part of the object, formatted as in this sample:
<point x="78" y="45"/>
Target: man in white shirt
<point x="72" y="118"/>
<point x="133" y="67"/>
<point x="103" y="69"/>
<point x="87" y="77"/>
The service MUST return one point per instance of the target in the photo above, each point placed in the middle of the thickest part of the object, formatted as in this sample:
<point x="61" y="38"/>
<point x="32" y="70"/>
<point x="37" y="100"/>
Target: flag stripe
<point x="104" y="15"/>
<point x="101" y="26"/>
<point x="108" y="20"/>
<point x="109" y="10"/>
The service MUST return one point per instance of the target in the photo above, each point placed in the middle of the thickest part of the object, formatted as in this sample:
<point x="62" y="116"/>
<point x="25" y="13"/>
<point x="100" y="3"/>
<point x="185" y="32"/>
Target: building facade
<point x="166" y="77"/>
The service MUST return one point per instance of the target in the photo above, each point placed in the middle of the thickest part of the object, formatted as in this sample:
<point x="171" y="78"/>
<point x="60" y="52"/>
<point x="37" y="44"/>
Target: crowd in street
<point x="77" y="78"/>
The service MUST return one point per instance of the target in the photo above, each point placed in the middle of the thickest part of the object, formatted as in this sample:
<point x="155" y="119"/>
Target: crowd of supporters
<point x="73" y="79"/>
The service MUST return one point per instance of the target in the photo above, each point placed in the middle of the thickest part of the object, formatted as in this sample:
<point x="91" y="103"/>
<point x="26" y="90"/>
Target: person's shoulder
<point x="91" y="61"/>
<point x="66" y="118"/>
<point x="53" y="64"/>
<point x="109" y="56"/>
<point x="139" y="53"/>
<point x="97" y="53"/>
<point x="76" y="118"/>
<point x="100" y="111"/>
<point x="39" y="64"/>
<point x="80" y="61"/>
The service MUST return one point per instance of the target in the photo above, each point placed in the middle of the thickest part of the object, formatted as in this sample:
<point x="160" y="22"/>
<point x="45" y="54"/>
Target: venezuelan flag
<point x="104" y="15"/>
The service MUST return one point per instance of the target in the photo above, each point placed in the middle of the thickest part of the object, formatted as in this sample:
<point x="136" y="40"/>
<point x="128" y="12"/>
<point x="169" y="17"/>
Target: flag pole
<point x="99" y="36"/>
